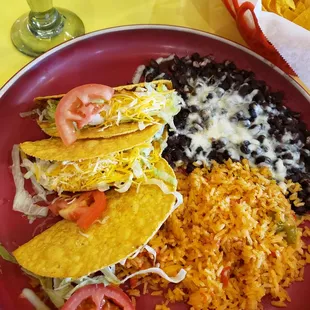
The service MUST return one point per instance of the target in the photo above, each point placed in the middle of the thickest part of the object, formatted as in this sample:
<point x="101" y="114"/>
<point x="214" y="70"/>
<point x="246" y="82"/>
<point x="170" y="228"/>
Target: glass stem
<point x="44" y="21"/>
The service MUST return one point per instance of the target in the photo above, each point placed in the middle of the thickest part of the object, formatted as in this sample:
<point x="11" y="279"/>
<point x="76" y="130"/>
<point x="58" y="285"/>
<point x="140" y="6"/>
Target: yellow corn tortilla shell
<point x="303" y="19"/>
<point x="97" y="132"/>
<point x="131" y="220"/>
<point x="93" y="132"/>
<point x="54" y="149"/>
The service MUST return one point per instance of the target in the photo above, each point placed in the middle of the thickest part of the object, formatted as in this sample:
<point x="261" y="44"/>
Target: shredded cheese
<point x="120" y="169"/>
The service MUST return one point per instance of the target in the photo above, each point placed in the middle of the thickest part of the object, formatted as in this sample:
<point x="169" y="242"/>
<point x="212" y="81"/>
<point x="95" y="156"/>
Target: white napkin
<point x="290" y="40"/>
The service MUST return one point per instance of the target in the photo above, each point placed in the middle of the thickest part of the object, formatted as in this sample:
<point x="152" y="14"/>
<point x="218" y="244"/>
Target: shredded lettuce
<point x="23" y="201"/>
<point x="152" y="252"/>
<point x="165" y="190"/>
<point x="30" y="113"/>
<point x="114" y="280"/>
<point x="34" y="299"/>
<point x="163" y="175"/>
<point x="6" y="255"/>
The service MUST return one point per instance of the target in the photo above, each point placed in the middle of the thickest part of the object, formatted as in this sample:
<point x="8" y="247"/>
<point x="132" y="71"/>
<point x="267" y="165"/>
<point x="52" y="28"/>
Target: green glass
<point x="44" y="27"/>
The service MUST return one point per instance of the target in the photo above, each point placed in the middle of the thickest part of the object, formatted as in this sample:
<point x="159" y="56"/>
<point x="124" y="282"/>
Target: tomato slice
<point x="99" y="295"/>
<point x="76" y="107"/>
<point x="84" y="210"/>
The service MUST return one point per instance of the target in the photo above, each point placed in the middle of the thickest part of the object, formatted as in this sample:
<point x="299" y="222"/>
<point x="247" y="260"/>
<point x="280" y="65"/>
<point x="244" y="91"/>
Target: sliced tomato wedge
<point x="76" y="107"/>
<point x="99" y="295"/>
<point x="84" y="210"/>
<point x="225" y="276"/>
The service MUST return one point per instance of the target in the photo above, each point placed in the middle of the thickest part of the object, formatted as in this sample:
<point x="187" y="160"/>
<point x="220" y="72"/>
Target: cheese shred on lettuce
<point x="119" y="170"/>
<point x="145" y="105"/>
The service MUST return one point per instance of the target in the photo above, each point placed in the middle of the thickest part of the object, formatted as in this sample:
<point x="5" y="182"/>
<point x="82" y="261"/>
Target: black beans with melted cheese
<point x="230" y="114"/>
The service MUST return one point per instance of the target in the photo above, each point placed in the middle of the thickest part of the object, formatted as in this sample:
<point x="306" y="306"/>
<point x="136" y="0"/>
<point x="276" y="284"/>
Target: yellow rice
<point x="228" y="219"/>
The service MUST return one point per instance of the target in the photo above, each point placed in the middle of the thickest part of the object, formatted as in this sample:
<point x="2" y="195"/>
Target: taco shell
<point x="131" y="220"/>
<point x="94" y="132"/>
<point x="54" y="149"/>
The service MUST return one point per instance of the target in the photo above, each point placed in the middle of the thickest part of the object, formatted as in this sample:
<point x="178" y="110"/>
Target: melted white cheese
<point x="216" y="119"/>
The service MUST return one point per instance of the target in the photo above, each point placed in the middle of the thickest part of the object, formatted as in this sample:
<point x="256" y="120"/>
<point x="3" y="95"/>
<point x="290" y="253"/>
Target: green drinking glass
<point x="44" y="27"/>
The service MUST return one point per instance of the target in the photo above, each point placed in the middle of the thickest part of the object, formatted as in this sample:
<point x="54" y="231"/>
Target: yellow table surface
<point x="206" y="15"/>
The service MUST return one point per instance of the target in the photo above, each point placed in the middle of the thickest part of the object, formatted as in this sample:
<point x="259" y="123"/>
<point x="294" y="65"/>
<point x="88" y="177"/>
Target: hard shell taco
<point x="95" y="163"/>
<point x="98" y="111"/>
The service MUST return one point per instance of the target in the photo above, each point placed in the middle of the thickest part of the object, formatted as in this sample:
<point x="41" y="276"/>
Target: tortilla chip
<point x="93" y="132"/>
<point x="131" y="220"/>
<point x="289" y="14"/>
<point x="54" y="149"/>
<point x="303" y="19"/>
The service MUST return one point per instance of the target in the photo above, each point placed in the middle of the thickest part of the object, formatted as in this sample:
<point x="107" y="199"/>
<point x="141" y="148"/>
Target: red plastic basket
<point x="253" y="36"/>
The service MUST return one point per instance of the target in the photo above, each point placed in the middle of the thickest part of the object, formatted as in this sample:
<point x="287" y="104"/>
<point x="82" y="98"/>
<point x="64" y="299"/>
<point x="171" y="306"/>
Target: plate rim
<point x="95" y="33"/>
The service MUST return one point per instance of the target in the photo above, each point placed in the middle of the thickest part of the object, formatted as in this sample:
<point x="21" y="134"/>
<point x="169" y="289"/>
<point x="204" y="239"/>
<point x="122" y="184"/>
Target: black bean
<point x="246" y="142"/>
<point x="254" y="154"/>
<point x="184" y="140"/>
<point x="255" y="129"/>
<point x="182" y="79"/>
<point x="195" y="57"/>
<point x="180" y="118"/>
<point x="212" y="155"/>
<point x="252" y="112"/>
<point x="279" y="137"/>
<point x="210" y="96"/>
<point x="245" y="89"/>
<point x="238" y="77"/>
<point x="173" y="140"/>
<point x="154" y="64"/>
<point x="246" y="123"/>
<point x="193" y="108"/>
<point x="190" y="167"/>
<point x="230" y="65"/>
<point x="177" y="155"/>
<point x="226" y="155"/>
<point x="226" y="84"/>
<point x="199" y="149"/>
<point x="218" y="144"/>
<point x="262" y="86"/>
<point x="302" y="195"/>
<point x="261" y="138"/>
<point x="305" y="182"/>
<point x="219" y="74"/>
<point x="280" y="149"/>
<point x="176" y="60"/>
<point x="263" y="159"/>
<point x="259" y="97"/>
<point x="245" y="149"/>
<point x="287" y="156"/>
<point x="295" y="115"/>
<point x="211" y="81"/>
<point x="150" y="77"/>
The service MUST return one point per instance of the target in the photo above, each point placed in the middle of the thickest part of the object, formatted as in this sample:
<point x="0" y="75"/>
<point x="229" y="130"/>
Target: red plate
<point x="110" y="57"/>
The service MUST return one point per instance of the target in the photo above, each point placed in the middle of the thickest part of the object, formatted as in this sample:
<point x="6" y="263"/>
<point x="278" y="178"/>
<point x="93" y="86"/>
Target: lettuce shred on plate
<point x="23" y="201"/>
